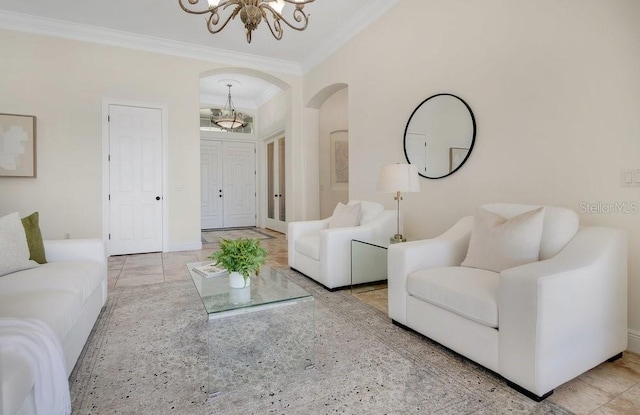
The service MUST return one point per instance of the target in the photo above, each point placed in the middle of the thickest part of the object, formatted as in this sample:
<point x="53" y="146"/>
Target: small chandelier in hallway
<point x="251" y="12"/>
<point x="229" y="118"/>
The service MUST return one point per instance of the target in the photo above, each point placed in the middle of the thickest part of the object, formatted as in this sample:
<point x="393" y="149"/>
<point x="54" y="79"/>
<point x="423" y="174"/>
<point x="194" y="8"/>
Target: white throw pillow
<point x="498" y="243"/>
<point x="14" y="250"/>
<point x="345" y="216"/>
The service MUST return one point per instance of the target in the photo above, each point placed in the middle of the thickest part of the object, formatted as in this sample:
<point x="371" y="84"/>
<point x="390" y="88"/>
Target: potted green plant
<point x="242" y="258"/>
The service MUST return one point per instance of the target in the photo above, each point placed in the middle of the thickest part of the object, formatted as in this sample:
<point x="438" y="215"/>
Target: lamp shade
<point x="399" y="178"/>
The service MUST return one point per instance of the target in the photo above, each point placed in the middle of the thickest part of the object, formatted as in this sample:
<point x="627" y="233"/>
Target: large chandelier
<point x="251" y="12"/>
<point x="229" y="119"/>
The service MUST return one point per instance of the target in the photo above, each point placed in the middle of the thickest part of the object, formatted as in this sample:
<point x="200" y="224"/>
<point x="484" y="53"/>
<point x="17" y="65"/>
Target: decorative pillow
<point x="14" y="250"/>
<point x="497" y="243"/>
<point x="345" y="216"/>
<point x="34" y="238"/>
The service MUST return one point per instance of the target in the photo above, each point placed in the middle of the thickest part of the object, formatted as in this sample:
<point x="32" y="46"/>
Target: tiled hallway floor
<point x="610" y="388"/>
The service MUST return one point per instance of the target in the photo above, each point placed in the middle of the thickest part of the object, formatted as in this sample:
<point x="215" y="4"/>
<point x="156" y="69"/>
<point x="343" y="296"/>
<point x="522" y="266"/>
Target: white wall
<point x="334" y="116"/>
<point x="554" y="86"/>
<point x="63" y="83"/>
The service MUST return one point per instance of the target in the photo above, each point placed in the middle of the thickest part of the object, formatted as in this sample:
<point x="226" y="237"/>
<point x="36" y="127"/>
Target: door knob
<point x="157" y="197"/>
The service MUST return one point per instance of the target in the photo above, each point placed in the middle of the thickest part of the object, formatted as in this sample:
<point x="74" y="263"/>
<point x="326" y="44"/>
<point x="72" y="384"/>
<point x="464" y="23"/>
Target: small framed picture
<point x="17" y="145"/>
<point x="456" y="157"/>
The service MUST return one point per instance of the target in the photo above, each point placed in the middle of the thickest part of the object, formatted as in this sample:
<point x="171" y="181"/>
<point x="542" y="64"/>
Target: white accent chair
<point x="537" y="325"/>
<point x="324" y="254"/>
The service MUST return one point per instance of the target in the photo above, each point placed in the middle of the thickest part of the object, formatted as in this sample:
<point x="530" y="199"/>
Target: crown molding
<point x="52" y="27"/>
<point x="364" y="17"/>
<point x="268" y="93"/>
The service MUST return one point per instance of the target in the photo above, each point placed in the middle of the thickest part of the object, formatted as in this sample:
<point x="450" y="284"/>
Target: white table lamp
<point x="398" y="178"/>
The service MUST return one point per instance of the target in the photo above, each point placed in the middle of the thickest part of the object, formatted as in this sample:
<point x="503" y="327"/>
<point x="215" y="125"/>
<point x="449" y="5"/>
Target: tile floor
<point x="611" y="388"/>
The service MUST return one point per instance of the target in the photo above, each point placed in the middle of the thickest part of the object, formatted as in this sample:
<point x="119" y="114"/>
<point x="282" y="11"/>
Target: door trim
<point x="105" y="165"/>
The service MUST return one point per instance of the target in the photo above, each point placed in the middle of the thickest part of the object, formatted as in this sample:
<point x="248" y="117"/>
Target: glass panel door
<point x="281" y="182"/>
<point x="270" y="181"/>
<point x="276" y="185"/>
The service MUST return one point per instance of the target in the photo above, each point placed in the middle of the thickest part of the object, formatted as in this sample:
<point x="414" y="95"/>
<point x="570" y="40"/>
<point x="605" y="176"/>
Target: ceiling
<point x="162" y="26"/>
<point x="331" y="23"/>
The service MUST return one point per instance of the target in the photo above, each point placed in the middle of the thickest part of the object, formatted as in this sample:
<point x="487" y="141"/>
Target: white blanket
<point x="39" y="346"/>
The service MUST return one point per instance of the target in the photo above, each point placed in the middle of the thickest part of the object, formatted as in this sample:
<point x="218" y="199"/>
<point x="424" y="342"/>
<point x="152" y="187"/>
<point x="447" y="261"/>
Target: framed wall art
<point x="339" y="160"/>
<point x="456" y="156"/>
<point x="17" y="145"/>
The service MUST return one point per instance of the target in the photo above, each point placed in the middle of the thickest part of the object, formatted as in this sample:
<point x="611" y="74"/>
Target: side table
<point x="368" y="263"/>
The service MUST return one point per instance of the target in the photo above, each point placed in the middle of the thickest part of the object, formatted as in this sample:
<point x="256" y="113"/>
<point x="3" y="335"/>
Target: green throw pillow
<point x="34" y="238"/>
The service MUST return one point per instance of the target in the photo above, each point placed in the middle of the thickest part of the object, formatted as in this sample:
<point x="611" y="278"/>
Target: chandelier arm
<point x="297" y="3"/>
<point x="276" y="28"/>
<point x="210" y="9"/>
<point x="298" y="15"/>
<point x="214" y="20"/>
<point x="215" y="24"/>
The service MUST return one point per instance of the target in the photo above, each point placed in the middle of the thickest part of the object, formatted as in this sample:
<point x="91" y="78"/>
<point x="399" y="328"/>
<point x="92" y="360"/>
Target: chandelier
<point x="251" y="12"/>
<point x="229" y="119"/>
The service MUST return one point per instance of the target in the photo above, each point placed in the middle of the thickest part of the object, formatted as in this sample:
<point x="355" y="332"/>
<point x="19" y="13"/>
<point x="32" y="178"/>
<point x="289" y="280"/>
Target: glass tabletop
<point x="269" y="288"/>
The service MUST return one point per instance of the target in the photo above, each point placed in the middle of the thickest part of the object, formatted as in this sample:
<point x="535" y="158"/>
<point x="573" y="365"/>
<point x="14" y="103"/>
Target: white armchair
<point x="538" y="324"/>
<point x="324" y="254"/>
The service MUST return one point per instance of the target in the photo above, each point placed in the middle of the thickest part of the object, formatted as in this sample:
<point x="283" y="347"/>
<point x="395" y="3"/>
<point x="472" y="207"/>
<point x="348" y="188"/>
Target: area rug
<point x="148" y="354"/>
<point x="213" y="236"/>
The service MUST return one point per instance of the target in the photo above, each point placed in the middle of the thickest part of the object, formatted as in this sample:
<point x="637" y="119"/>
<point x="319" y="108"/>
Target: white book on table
<point x="210" y="270"/>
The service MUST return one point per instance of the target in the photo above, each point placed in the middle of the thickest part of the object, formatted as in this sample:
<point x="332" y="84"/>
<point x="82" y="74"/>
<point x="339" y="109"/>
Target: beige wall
<point x="63" y="83"/>
<point x="334" y="116"/>
<point x="555" y="88"/>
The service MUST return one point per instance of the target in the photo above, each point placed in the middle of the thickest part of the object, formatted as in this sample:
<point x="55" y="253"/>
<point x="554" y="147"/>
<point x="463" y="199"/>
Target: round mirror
<point x="439" y="135"/>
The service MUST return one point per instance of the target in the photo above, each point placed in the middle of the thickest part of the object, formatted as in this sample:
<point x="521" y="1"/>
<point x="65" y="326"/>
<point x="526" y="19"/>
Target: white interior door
<point x="228" y="184"/>
<point x="276" y="218"/>
<point x="135" y="180"/>
<point x="211" y="184"/>
<point x="239" y="194"/>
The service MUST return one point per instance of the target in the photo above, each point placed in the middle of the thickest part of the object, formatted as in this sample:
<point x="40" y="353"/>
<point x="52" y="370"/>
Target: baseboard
<point x="186" y="246"/>
<point x="633" y="341"/>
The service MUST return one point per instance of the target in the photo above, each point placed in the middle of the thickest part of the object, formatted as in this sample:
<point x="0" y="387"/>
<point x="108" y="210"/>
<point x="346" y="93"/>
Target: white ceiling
<point x="247" y="92"/>
<point x="162" y="26"/>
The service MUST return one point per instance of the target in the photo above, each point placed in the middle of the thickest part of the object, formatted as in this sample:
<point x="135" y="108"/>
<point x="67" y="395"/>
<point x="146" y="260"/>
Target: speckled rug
<point x="148" y="354"/>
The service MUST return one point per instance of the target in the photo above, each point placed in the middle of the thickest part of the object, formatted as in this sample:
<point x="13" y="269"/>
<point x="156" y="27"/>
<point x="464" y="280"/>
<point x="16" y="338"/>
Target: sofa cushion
<point x="345" y="216"/>
<point x="58" y="309"/>
<point x="309" y="246"/>
<point x="368" y="211"/>
<point x="498" y="243"/>
<point x="14" y="250"/>
<point x="34" y="238"/>
<point x="469" y="292"/>
<point x="77" y="277"/>
<point x="559" y="227"/>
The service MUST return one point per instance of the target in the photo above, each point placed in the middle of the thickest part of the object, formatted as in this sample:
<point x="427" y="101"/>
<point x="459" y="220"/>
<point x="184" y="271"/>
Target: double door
<point x="228" y="184"/>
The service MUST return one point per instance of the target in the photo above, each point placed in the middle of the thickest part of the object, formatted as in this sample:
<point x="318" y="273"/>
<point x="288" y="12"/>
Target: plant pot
<point x="240" y="295"/>
<point x="237" y="280"/>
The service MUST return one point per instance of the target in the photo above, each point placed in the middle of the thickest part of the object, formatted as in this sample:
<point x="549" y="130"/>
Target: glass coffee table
<point x="257" y="333"/>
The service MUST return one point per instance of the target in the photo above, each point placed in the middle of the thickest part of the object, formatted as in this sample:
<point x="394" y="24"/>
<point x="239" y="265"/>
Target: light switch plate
<point x="630" y="177"/>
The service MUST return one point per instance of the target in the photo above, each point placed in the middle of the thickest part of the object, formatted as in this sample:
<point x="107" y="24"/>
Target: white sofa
<point x="537" y="325"/>
<point x="324" y="254"/>
<point x="67" y="293"/>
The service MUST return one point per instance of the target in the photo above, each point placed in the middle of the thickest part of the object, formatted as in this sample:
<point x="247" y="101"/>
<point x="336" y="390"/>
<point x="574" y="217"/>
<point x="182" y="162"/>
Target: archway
<point x="330" y="106"/>
<point x="258" y="137"/>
